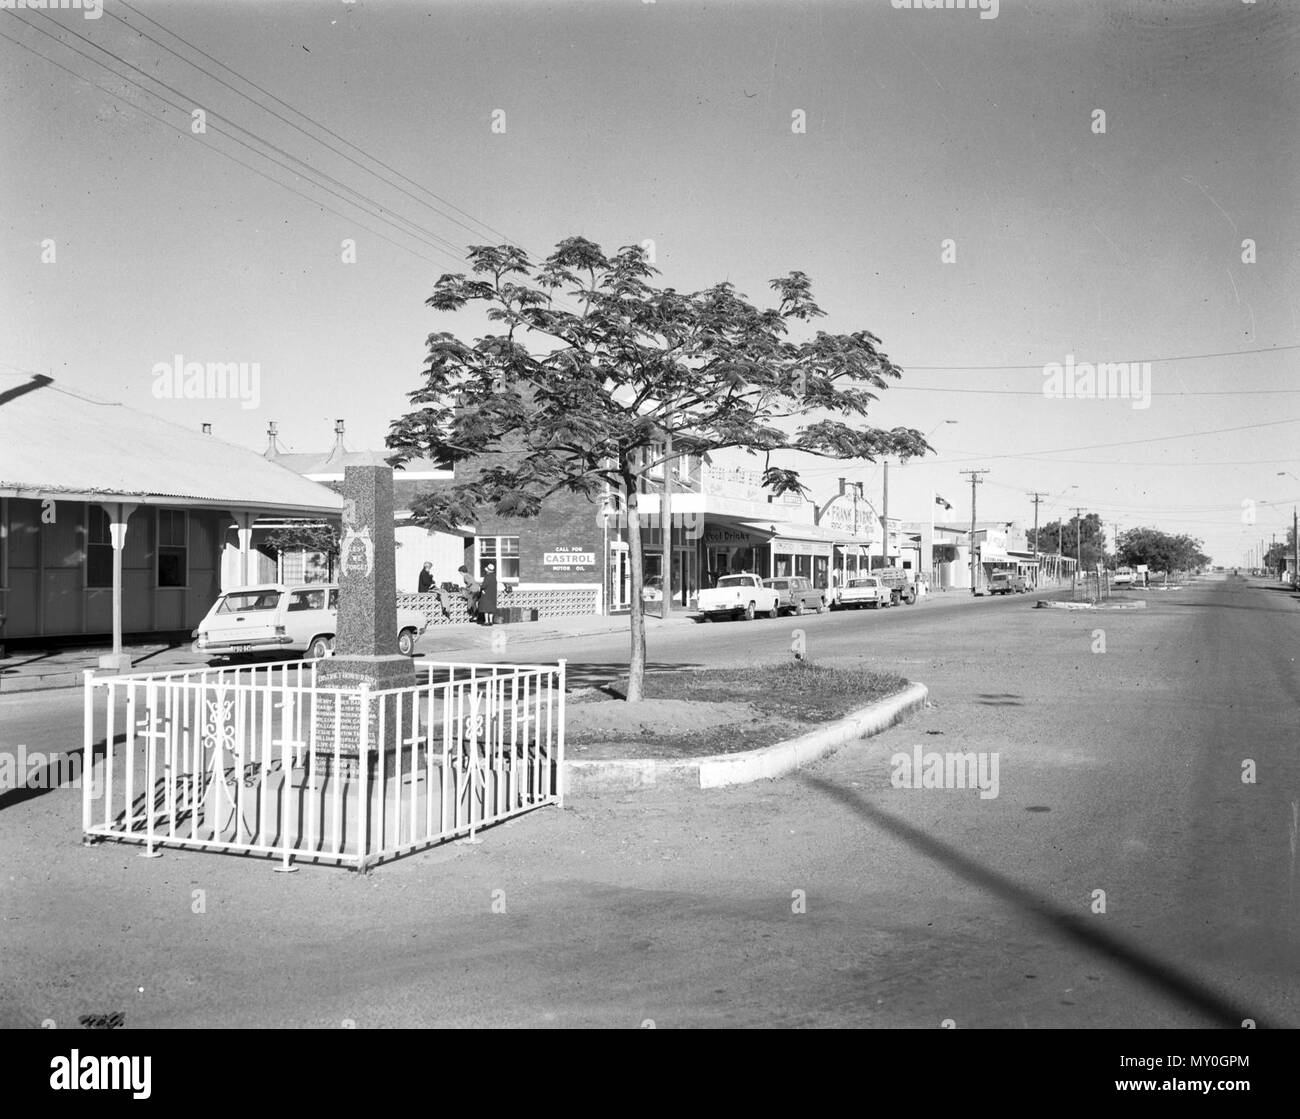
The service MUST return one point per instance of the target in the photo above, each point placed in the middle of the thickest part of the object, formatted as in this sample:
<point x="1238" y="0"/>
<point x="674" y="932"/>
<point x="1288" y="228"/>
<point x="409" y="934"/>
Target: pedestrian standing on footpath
<point x="472" y="589"/>
<point x="487" y="599"/>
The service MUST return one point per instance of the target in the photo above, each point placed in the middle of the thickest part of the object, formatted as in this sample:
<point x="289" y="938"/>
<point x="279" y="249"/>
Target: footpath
<point x="37" y="670"/>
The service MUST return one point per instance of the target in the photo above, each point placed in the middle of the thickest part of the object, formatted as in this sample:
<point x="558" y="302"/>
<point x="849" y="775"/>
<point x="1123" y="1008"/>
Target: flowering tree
<point x="610" y="379"/>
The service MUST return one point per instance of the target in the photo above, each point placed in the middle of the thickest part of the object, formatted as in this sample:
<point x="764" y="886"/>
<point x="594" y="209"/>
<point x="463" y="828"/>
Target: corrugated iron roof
<point x="56" y="440"/>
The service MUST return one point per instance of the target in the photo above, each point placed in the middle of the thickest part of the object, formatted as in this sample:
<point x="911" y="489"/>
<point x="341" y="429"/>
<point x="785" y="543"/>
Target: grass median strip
<point x="694" y="713"/>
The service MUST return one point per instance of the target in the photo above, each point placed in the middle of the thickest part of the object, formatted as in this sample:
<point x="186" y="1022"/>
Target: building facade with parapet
<point x="114" y="522"/>
<point x="574" y="557"/>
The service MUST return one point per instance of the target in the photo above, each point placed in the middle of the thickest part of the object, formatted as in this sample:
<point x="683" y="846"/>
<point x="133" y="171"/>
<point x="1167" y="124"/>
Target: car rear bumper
<point x="203" y="645"/>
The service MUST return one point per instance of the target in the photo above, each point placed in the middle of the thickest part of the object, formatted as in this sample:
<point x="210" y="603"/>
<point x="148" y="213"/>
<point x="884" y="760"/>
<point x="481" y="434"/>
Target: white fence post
<point x="558" y="763"/>
<point x="87" y="750"/>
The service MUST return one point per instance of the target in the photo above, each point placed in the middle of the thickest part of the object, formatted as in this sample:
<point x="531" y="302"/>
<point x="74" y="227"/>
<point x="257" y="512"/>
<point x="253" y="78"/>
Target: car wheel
<point x="318" y="649"/>
<point x="775" y="612"/>
<point x="821" y="606"/>
<point x="706" y="617"/>
<point x="406" y="642"/>
<point x="798" y="608"/>
<point x="749" y="612"/>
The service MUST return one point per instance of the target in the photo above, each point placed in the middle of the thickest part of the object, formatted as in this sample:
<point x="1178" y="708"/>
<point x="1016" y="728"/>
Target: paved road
<point x="1119" y="771"/>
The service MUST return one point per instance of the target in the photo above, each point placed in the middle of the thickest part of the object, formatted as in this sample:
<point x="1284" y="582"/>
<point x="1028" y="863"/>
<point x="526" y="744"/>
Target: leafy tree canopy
<point x="631" y="363"/>
<point x="610" y="379"/>
<point x="306" y="536"/>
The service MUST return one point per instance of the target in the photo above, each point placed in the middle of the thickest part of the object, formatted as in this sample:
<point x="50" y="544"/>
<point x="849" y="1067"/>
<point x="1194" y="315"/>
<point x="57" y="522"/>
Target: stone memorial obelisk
<point x="365" y="644"/>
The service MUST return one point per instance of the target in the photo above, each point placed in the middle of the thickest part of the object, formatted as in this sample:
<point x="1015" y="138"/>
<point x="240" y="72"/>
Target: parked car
<point x="738" y="596"/>
<point x="866" y="590"/>
<point x="289" y="619"/>
<point x="795" y="594"/>
<point x="1006" y="582"/>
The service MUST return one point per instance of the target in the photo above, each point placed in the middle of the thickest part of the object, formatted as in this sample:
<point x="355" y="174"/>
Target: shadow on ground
<point x="1169" y="981"/>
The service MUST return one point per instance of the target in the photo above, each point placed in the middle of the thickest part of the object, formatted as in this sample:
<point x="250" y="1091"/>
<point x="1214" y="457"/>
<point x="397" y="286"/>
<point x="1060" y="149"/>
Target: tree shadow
<point x="601" y="674"/>
<point x="1165" y="978"/>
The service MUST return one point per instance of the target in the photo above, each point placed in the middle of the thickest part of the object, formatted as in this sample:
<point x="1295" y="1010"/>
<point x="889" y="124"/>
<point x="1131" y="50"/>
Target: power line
<point x="305" y="116"/>
<point x="207" y="147"/>
<point x="1135" y="442"/>
<point x="1039" y="392"/>
<point x="431" y="238"/>
<point x="1139" y="361"/>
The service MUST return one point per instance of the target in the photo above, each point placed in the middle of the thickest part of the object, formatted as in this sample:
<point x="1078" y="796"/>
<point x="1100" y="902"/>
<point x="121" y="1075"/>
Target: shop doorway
<point x="686" y="575"/>
<point x="620" y="578"/>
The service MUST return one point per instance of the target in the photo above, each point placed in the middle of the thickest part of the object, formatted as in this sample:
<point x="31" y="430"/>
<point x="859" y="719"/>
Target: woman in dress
<point x="487" y="599"/>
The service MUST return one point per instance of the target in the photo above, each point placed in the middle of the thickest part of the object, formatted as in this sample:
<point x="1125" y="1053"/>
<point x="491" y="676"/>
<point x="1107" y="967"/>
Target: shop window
<point x="502" y="551"/>
<point x="99" y="548"/>
<point x="173" y="550"/>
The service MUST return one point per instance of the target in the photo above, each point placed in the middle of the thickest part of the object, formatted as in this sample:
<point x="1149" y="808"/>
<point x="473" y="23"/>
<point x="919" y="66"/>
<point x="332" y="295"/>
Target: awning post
<point x="119" y="512"/>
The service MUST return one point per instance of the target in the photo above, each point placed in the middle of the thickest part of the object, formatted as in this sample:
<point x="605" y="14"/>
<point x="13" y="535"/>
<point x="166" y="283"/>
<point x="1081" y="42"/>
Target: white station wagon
<point x="293" y="619"/>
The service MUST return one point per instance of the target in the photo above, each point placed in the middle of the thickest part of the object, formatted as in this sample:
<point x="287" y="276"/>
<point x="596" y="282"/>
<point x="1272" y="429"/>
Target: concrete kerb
<point x="717" y="770"/>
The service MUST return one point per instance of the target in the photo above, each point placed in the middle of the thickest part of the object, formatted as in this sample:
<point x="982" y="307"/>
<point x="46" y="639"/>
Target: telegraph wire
<point x="212" y="147"/>
<point x="1138" y="361"/>
<point x="316" y="139"/>
<point x="430" y="238"/>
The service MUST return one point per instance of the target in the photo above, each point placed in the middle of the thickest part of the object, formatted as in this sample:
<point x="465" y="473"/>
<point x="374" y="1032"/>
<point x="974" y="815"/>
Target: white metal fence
<point x="262" y="761"/>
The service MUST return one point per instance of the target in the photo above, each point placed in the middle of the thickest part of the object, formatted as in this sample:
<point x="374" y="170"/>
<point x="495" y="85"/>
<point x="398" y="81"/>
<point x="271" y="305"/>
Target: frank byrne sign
<point x="855" y="518"/>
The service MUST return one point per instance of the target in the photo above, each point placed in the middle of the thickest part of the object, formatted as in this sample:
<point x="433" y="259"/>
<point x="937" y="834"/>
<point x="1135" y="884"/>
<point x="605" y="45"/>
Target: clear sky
<point x="675" y="121"/>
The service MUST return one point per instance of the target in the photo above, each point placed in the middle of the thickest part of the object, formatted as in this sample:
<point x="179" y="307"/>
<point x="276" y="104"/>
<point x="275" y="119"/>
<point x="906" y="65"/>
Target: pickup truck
<point x="739" y="596"/>
<point x="866" y="590"/>
<point x="1006" y="582"/>
<point x="899" y="582"/>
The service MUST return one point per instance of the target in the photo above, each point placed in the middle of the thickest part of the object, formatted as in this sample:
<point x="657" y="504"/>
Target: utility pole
<point x="1038" y="500"/>
<point x="975" y="480"/>
<point x="884" y="536"/>
<point x="666" y="528"/>
<point x="1078" y="545"/>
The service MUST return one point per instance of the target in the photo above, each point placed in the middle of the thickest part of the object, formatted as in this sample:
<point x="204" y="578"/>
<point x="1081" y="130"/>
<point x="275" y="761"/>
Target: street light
<point x="1295" y="535"/>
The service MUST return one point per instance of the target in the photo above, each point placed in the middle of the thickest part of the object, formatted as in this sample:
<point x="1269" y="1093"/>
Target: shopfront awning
<point x="788" y="538"/>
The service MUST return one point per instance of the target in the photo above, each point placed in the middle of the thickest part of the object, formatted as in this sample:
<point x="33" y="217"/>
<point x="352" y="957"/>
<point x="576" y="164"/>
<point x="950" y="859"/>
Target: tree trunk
<point x="636" y="663"/>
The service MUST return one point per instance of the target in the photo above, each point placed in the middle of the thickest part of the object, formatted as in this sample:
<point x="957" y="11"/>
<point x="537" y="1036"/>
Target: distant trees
<point x="1278" y="557"/>
<point x="1086" y="534"/>
<point x="313" y="537"/>
<point x="1160" y="551"/>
